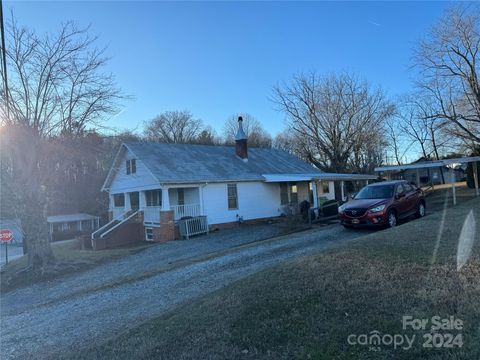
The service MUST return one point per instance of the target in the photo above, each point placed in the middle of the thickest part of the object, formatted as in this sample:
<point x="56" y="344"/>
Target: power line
<point x="4" y="58"/>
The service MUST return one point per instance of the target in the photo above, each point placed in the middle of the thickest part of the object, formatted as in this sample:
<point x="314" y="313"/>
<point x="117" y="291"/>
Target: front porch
<point x="181" y="201"/>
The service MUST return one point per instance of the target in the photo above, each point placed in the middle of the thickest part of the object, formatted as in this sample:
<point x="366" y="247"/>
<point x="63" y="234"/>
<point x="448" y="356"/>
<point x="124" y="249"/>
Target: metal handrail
<point x="100" y="229"/>
<point x="120" y="223"/>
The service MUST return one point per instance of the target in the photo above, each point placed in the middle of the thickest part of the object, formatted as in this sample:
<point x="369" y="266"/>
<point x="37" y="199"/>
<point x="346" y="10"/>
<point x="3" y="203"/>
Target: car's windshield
<point x="375" y="192"/>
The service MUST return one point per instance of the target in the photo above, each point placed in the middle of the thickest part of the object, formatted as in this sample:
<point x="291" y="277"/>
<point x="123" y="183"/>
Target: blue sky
<point x="217" y="59"/>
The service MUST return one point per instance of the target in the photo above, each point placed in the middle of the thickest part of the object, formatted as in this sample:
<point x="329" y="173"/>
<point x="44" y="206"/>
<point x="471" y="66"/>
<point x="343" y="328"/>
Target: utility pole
<point x="4" y="60"/>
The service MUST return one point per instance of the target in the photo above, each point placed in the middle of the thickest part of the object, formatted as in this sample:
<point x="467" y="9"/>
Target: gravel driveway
<point x="46" y="320"/>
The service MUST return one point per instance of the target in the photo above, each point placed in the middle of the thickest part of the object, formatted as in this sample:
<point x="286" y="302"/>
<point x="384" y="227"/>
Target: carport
<point x="315" y="178"/>
<point x="437" y="164"/>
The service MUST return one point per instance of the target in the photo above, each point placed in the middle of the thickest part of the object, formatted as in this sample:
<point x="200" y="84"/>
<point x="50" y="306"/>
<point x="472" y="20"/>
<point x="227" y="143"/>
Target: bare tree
<point x="56" y="82"/>
<point x="418" y="124"/>
<point x="396" y="140"/>
<point x="448" y="61"/>
<point x="257" y="135"/>
<point x="173" y="127"/>
<point x="56" y="86"/>
<point x="338" y="117"/>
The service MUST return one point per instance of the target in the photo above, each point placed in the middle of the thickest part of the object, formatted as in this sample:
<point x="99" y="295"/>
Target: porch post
<point x="127" y="206"/>
<point x="111" y="202"/>
<point x="475" y="177"/>
<point x="142" y="200"/>
<point x="80" y="225"/>
<point x="315" y="196"/>
<point x="418" y="178"/>
<point x="200" y="198"/>
<point x="165" y="199"/>
<point x="342" y="190"/>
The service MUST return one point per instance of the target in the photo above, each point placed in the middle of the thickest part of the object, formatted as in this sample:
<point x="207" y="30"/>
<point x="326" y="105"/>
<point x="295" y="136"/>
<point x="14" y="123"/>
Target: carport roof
<point x="429" y="164"/>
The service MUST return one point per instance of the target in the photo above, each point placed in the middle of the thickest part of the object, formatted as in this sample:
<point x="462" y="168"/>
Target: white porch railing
<point x="151" y="215"/>
<point x="180" y="211"/>
<point x="194" y="226"/>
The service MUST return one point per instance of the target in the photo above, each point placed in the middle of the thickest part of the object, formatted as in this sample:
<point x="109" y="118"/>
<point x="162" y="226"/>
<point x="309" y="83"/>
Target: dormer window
<point x="131" y="166"/>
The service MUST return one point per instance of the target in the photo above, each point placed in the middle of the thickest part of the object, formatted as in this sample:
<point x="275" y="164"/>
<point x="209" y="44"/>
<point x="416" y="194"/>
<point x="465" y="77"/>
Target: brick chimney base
<point x="166" y="231"/>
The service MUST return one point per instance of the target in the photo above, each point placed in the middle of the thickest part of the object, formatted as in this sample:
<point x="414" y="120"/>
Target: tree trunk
<point x="35" y="227"/>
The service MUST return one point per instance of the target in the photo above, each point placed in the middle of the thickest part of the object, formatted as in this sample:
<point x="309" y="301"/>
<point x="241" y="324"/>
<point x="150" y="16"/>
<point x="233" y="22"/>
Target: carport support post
<point x="452" y="177"/>
<point x="343" y="192"/>
<point x="475" y="177"/>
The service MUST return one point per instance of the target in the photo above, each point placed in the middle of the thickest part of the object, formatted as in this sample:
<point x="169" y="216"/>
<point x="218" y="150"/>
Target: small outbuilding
<point x="70" y="225"/>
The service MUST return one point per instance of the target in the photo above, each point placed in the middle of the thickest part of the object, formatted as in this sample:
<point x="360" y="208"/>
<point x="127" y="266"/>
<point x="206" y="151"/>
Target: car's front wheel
<point x="420" y="209"/>
<point x="391" y="219"/>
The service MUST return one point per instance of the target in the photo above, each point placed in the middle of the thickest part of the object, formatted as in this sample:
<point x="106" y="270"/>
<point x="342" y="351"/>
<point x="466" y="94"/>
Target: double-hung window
<point x="153" y="197"/>
<point x="118" y="200"/>
<point x="131" y="166"/>
<point x="232" y="196"/>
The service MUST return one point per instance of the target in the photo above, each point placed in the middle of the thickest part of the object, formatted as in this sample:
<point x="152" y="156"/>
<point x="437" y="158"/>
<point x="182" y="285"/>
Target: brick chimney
<point x="241" y="141"/>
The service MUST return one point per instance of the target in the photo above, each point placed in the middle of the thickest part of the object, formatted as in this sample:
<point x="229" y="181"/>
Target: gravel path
<point x="46" y="320"/>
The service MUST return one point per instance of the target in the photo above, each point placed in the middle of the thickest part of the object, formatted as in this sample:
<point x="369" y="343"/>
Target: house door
<point x="134" y="201"/>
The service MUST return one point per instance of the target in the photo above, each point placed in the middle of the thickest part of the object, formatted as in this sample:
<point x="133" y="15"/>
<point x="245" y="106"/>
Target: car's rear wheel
<point x="391" y="219"/>
<point x="420" y="209"/>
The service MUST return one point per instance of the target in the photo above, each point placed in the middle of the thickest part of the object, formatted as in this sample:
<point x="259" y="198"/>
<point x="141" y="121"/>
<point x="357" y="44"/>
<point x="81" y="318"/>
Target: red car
<point x="383" y="204"/>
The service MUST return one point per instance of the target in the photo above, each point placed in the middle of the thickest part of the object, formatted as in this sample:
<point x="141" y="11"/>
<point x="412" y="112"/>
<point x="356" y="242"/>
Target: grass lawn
<point x="70" y="258"/>
<point x="307" y="308"/>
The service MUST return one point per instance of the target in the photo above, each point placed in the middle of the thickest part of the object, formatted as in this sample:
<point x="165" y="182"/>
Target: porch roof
<point x="321" y="176"/>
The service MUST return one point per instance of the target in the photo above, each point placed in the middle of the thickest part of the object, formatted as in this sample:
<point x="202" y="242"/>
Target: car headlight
<point x="377" y="208"/>
<point x="341" y="208"/>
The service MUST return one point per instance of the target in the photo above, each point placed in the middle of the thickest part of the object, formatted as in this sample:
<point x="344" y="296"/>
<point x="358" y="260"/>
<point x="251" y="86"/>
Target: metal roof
<point x="187" y="164"/>
<point x="321" y="176"/>
<point x="71" y="217"/>
<point x="182" y="163"/>
<point x="429" y="164"/>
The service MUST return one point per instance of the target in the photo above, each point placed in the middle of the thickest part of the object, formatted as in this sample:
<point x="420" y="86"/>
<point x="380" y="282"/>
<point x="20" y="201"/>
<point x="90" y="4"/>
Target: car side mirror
<point x="399" y="196"/>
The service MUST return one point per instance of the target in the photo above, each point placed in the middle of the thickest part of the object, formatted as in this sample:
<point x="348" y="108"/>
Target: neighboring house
<point x="430" y="175"/>
<point x="69" y="225"/>
<point x="163" y="183"/>
<point x="434" y="175"/>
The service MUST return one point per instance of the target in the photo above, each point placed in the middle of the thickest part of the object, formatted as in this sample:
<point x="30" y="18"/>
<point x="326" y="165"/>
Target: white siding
<point x="255" y="200"/>
<point x="141" y="180"/>
<point x="191" y="196"/>
<point x="331" y="191"/>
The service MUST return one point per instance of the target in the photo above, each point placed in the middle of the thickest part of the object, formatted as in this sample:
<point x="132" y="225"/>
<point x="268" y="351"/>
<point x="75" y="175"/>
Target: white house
<point x="167" y="182"/>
